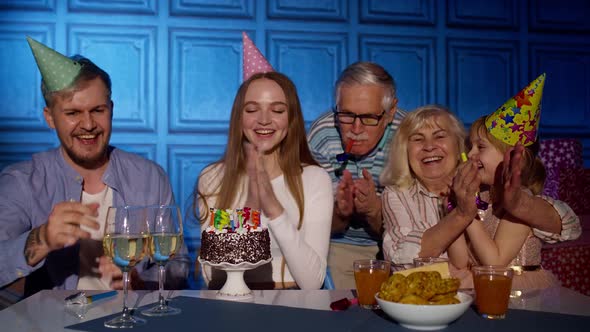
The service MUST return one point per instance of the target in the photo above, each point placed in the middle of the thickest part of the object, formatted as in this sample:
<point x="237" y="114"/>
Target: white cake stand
<point x="235" y="288"/>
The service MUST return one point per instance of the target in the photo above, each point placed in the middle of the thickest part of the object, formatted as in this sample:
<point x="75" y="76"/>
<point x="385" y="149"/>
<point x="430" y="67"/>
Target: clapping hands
<point x="465" y="186"/>
<point x="260" y="192"/>
<point x="356" y="195"/>
<point x="512" y="196"/>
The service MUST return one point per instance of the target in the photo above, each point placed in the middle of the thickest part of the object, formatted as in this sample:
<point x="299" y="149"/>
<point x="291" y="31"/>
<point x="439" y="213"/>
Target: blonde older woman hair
<point x="397" y="171"/>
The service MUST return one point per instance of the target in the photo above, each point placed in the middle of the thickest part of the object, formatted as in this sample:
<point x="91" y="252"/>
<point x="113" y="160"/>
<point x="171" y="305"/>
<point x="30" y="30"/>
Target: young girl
<point x="267" y="165"/>
<point x="503" y="155"/>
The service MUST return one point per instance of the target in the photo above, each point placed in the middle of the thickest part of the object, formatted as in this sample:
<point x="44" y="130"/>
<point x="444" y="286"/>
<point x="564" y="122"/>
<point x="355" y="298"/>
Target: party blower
<point x="480" y="203"/>
<point x="342" y="157"/>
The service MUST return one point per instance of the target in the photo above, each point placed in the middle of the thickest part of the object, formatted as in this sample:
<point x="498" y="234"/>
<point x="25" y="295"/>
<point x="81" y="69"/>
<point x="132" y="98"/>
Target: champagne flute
<point x="165" y="225"/>
<point x="125" y="242"/>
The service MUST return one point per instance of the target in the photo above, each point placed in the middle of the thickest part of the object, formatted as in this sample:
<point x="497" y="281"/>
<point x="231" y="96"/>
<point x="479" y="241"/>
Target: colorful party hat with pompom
<point x="518" y="119"/>
<point x="57" y="70"/>
<point x="254" y="61"/>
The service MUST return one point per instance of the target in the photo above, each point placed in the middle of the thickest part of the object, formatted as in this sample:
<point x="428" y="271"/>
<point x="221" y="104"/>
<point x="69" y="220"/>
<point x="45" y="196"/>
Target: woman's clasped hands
<point x="260" y="192"/>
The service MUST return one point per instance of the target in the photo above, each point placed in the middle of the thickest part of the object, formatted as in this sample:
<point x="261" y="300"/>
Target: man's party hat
<point x="518" y="119"/>
<point x="254" y="61"/>
<point x="57" y="70"/>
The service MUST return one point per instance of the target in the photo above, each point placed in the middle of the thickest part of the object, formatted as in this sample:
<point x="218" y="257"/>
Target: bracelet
<point x="480" y="203"/>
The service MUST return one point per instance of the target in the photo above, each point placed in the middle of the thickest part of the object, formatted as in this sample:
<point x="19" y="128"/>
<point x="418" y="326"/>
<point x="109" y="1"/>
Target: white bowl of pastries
<point x="422" y="300"/>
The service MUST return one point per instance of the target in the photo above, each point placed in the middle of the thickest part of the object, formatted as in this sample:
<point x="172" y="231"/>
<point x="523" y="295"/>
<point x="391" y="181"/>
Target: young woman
<point x="267" y="165"/>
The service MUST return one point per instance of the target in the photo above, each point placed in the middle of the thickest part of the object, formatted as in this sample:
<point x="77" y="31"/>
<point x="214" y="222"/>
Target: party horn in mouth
<point x="481" y="204"/>
<point x="342" y="157"/>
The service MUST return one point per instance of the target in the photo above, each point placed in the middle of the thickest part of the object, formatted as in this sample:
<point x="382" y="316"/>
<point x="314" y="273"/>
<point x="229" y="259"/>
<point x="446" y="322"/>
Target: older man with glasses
<point x="352" y="142"/>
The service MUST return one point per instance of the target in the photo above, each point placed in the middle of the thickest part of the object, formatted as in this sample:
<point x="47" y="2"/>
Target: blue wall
<point x="176" y="65"/>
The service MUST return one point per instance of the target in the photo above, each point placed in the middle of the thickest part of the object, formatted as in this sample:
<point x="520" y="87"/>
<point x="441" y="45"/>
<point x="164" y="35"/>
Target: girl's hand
<point x="465" y="185"/>
<point x="512" y="195"/>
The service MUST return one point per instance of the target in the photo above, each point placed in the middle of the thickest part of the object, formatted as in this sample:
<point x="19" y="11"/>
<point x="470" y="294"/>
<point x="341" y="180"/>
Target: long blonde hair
<point x="397" y="171"/>
<point x="293" y="151"/>
<point x="533" y="172"/>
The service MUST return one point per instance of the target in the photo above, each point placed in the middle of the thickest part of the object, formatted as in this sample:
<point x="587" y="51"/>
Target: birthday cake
<point x="235" y="237"/>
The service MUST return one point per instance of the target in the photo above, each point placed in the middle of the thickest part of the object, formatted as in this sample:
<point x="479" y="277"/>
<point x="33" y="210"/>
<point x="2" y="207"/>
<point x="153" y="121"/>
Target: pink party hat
<point x="517" y="120"/>
<point x="253" y="61"/>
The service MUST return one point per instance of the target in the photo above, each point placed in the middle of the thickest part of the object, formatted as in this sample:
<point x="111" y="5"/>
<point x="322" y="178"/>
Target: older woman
<point x="418" y="177"/>
<point x="421" y="166"/>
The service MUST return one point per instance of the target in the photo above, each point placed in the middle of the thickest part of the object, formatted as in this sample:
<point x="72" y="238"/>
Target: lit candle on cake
<point x="246" y="215"/>
<point x="232" y="223"/>
<point x="240" y="219"/>
<point x="218" y="218"/>
<point x="224" y="219"/>
<point x="256" y="218"/>
<point x="212" y="218"/>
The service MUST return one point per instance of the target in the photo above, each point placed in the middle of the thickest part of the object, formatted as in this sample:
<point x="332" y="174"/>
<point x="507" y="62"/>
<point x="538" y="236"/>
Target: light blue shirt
<point x="325" y="144"/>
<point x="30" y="189"/>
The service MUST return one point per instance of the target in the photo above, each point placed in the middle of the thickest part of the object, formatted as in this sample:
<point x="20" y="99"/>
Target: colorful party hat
<point x="254" y="61"/>
<point x="57" y="70"/>
<point x="518" y="119"/>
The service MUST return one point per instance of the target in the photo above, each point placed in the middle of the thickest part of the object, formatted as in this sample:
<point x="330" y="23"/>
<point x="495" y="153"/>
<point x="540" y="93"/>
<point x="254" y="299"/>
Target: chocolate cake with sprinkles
<point x="235" y="238"/>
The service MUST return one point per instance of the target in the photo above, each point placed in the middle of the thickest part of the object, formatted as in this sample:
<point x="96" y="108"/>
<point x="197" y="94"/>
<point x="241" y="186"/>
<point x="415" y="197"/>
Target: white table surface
<point x="45" y="311"/>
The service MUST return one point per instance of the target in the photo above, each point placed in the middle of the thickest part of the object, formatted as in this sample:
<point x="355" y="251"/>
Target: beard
<point x="94" y="161"/>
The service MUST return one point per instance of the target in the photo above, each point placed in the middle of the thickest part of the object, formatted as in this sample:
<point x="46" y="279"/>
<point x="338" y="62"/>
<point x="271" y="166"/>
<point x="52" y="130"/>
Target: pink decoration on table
<point x="253" y="61"/>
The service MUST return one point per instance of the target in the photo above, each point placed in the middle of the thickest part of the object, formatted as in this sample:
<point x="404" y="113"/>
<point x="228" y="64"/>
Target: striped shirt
<point x="408" y="213"/>
<point x="325" y="143"/>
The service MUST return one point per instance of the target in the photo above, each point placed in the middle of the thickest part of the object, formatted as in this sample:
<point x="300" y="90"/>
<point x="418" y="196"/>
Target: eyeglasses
<point x="366" y="119"/>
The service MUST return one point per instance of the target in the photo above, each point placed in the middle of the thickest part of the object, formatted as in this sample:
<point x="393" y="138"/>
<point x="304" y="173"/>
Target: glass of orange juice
<point x="492" y="285"/>
<point x="369" y="274"/>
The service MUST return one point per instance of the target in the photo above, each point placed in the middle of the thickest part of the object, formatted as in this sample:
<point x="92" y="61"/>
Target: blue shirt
<point x="30" y="189"/>
<point x="325" y="143"/>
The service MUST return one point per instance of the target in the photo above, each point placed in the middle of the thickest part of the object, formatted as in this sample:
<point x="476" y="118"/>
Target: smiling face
<point x="363" y="99"/>
<point x="265" y="117"/>
<point x="83" y="122"/>
<point x="487" y="155"/>
<point x="433" y="152"/>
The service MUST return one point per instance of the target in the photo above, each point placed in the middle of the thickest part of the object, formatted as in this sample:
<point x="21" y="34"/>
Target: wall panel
<point x="185" y="164"/>
<point x="550" y="15"/>
<point x="209" y="8"/>
<point x="23" y="107"/>
<point x="482" y="76"/>
<point x="568" y="66"/>
<point x="327" y="10"/>
<point x="489" y="13"/>
<point x="410" y="60"/>
<point x="204" y="78"/>
<point x="323" y="53"/>
<point x="131" y="63"/>
<point x="421" y="12"/>
<point x="135" y="7"/>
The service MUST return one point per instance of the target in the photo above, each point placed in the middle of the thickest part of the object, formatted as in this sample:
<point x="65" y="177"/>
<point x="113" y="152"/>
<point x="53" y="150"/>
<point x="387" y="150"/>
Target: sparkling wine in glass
<point x="125" y="242"/>
<point x="165" y="225"/>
